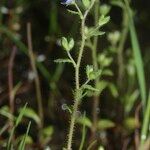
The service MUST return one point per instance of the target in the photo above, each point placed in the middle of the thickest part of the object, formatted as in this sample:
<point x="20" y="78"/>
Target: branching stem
<point x="77" y="74"/>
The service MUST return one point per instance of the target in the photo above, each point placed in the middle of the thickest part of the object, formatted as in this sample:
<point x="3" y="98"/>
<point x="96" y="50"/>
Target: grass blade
<point x="83" y="135"/>
<point x="9" y="144"/>
<point x="137" y="55"/>
<point x="23" y="142"/>
<point x="19" y="118"/>
<point x="146" y="122"/>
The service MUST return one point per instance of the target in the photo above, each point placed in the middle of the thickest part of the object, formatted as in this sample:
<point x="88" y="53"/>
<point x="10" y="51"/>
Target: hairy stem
<point x="77" y="80"/>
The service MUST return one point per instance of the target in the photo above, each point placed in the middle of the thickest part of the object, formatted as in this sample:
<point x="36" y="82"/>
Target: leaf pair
<point x="67" y="45"/>
<point x="91" y="73"/>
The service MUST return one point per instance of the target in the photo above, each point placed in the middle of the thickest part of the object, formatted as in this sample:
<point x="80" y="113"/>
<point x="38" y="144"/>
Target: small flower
<point x="67" y="2"/>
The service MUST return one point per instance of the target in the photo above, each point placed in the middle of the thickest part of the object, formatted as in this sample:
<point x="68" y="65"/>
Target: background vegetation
<point x="36" y="94"/>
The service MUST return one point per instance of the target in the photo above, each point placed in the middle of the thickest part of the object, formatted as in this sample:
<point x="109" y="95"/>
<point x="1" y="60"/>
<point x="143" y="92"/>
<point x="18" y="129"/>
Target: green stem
<point x="83" y="135"/>
<point x="76" y="103"/>
<point x="95" y="64"/>
<point x="78" y="9"/>
<point x="125" y="26"/>
<point x="146" y="122"/>
<point x="137" y="55"/>
<point x="77" y="80"/>
<point x="69" y="55"/>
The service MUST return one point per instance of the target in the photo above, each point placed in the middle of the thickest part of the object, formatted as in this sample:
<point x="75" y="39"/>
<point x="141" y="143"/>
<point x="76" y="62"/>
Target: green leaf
<point x="95" y="74"/>
<point x="104" y="60"/>
<point x="90" y="32"/>
<point x="21" y="114"/>
<point x="24" y="141"/>
<point x="28" y="140"/>
<point x="103" y="20"/>
<point x="48" y="131"/>
<point x="15" y="89"/>
<point x="89" y="87"/>
<point x="130" y="123"/>
<point x="5" y="111"/>
<point x="84" y="121"/>
<point x="91" y="145"/>
<point x="131" y="70"/>
<point x="97" y="33"/>
<point x="89" y="69"/>
<point x="67" y="45"/>
<point x="66" y="60"/>
<point x="64" y="43"/>
<point x="117" y="3"/>
<point x="137" y="55"/>
<point x="104" y="124"/>
<point x="104" y="9"/>
<point x="30" y="113"/>
<point x="83" y="134"/>
<point x="113" y="90"/>
<point x="101" y="85"/>
<point x="107" y="72"/>
<point x="146" y="122"/>
<point x="46" y="134"/>
<point x="130" y="100"/>
<point x="86" y="3"/>
<point x="18" y="120"/>
<point x="71" y="43"/>
<point x="9" y="143"/>
<point x="91" y="74"/>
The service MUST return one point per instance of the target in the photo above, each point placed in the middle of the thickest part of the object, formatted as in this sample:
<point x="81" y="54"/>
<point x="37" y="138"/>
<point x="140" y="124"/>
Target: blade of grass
<point x="83" y="135"/>
<point x="91" y="145"/>
<point x="146" y="122"/>
<point x="23" y="142"/>
<point x="9" y="143"/>
<point x="19" y="118"/>
<point x="4" y="128"/>
<point x="137" y="55"/>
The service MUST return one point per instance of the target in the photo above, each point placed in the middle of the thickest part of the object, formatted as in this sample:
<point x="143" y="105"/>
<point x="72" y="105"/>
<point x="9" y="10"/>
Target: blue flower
<point x="67" y="2"/>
